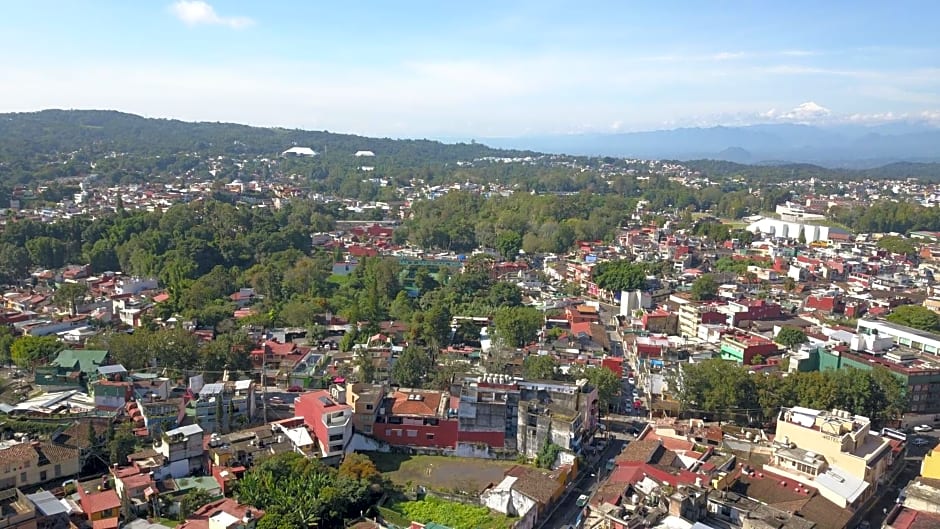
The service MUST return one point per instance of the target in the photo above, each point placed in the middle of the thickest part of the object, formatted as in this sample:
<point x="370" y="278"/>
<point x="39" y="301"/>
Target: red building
<point x="330" y="421"/>
<point x="753" y="310"/>
<point x="581" y="314"/>
<point x="411" y="417"/>
<point x="613" y="363"/>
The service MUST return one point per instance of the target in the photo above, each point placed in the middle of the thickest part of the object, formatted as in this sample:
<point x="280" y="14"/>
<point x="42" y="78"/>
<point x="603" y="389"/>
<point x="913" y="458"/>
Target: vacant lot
<point x="441" y="472"/>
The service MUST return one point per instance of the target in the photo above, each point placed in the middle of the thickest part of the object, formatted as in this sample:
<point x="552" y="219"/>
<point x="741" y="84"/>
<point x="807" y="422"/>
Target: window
<point x="42" y="476"/>
<point x="22" y="478"/>
<point x="58" y="470"/>
<point x="430" y="436"/>
<point x="412" y="433"/>
<point x="369" y="407"/>
<point x="367" y="429"/>
<point x="336" y="437"/>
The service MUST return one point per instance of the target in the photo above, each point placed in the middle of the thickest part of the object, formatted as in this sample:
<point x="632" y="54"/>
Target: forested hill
<point x="802" y="171"/>
<point x="93" y="133"/>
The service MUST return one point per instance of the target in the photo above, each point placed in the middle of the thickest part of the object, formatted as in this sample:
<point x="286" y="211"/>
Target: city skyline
<point x="424" y="69"/>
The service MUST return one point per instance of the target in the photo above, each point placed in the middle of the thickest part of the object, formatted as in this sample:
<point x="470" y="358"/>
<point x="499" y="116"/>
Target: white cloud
<point x="197" y="12"/>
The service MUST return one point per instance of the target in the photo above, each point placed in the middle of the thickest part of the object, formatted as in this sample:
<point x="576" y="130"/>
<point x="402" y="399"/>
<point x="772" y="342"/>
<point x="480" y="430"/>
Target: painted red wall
<point x="445" y="434"/>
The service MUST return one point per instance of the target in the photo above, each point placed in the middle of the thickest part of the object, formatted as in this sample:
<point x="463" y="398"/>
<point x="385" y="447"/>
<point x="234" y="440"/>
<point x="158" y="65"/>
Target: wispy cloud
<point x="197" y="12"/>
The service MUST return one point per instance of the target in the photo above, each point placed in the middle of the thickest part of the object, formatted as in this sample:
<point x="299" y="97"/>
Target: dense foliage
<point x="916" y="316"/>
<point x="299" y="492"/>
<point x="725" y="390"/>
<point x="450" y="514"/>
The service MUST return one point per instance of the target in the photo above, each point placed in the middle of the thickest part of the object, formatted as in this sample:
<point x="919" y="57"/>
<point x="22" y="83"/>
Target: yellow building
<point x="930" y="468"/>
<point x="832" y="451"/>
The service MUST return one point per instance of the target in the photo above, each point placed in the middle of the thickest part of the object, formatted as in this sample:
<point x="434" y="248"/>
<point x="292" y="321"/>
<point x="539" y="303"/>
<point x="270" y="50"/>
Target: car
<point x="920" y="441"/>
<point x="631" y="381"/>
<point x="637" y="404"/>
<point x="582" y="500"/>
<point x="923" y="428"/>
<point x="276" y="400"/>
<point x="295" y="389"/>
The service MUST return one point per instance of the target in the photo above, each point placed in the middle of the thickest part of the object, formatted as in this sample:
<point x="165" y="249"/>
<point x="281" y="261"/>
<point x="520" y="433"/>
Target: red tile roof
<point x="429" y="404"/>
<point x="100" y="501"/>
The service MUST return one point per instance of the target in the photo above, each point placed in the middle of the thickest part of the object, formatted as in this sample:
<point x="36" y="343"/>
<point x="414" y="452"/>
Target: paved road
<point x="567" y="510"/>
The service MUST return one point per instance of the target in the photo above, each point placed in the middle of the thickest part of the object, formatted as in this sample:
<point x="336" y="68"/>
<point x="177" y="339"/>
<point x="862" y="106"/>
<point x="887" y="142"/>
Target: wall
<point x="444" y="434"/>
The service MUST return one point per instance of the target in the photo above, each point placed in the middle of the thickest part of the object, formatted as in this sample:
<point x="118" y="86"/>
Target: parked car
<point x="295" y="389"/>
<point x="920" y="441"/>
<point x="923" y="428"/>
<point x="582" y="500"/>
<point x="276" y="400"/>
<point x="631" y="381"/>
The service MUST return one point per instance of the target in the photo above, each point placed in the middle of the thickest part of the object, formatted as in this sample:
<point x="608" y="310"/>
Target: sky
<point x="443" y="69"/>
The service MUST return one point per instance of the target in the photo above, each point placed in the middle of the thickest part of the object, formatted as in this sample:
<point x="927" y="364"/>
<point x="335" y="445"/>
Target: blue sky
<point x="476" y="69"/>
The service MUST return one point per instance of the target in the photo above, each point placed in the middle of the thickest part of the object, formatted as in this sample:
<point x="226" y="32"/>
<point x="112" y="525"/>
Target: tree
<point x="704" y="288"/>
<point x="716" y="386"/>
<point x="6" y="342"/>
<point x="191" y="501"/>
<point x="14" y="262"/>
<point x="365" y="368"/>
<point x="539" y="367"/>
<point x="26" y="351"/>
<point x="897" y="245"/>
<point x="620" y="275"/>
<point x="508" y="243"/>
<point x="122" y="445"/>
<point x="790" y="337"/>
<point x="547" y="455"/>
<point x="606" y="381"/>
<point x="517" y="326"/>
<point x="359" y="467"/>
<point x="915" y="316"/>
<point x="66" y="296"/>
<point x="411" y="367"/>
<point x="789" y="284"/>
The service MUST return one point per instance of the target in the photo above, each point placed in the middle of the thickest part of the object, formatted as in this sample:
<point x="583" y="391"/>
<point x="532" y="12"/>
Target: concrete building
<point x="365" y="400"/>
<point x="780" y="229"/>
<point x="692" y="315"/>
<point x="330" y="420"/>
<point x="744" y="347"/>
<point x="488" y="411"/>
<point x="16" y="510"/>
<point x="224" y="406"/>
<point x="879" y="335"/>
<point x="564" y="414"/>
<point x="834" y="452"/>
<point x="418" y="418"/>
<point x="182" y="450"/>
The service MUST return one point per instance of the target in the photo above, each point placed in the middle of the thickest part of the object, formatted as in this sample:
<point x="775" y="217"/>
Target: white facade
<point x="789" y="230"/>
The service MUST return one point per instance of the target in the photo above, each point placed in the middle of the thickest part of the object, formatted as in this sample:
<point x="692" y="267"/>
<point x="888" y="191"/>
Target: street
<point x="567" y="510"/>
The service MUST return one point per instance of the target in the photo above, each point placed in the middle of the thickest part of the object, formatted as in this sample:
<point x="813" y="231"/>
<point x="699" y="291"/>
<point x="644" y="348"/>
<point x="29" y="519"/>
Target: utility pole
<point x="264" y="384"/>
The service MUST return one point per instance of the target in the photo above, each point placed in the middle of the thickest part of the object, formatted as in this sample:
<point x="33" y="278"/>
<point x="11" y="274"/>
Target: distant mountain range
<point x="846" y="146"/>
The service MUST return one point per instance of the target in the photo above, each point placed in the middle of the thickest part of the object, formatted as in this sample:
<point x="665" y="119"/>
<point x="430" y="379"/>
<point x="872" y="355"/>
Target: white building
<point x="789" y="230"/>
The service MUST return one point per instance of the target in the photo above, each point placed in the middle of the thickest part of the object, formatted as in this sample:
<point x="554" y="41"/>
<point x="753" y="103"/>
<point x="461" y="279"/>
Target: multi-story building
<point x="182" y="450"/>
<point x="744" y="347"/>
<point x="331" y="422"/>
<point x="873" y="335"/>
<point x="422" y="418"/>
<point x="834" y="452"/>
<point x="224" y="406"/>
<point x="160" y="415"/>
<point x="488" y="411"/>
<point x="365" y="400"/>
<point x="751" y="310"/>
<point x="691" y="315"/>
<point x="564" y="414"/>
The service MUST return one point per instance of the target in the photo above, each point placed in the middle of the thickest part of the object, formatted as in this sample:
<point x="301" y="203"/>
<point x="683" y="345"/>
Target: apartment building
<point x="564" y="414"/>
<point x="421" y="418"/>
<point x="365" y="400"/>
<point x="224" y="406"/>
<point x="744" y="347"/>
<point x="834" y="452"/>
<point x="182" y="450"/>
<point x="330" y="421"/>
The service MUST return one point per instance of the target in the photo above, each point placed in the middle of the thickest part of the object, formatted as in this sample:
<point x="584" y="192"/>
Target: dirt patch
<point x="441" y="473"/>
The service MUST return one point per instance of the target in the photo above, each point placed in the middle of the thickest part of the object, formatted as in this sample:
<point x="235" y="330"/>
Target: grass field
<point x="441" y="473"/>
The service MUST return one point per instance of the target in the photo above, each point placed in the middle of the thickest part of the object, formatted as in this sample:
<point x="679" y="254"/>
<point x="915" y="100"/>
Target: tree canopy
<point x="915" y="316"/>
